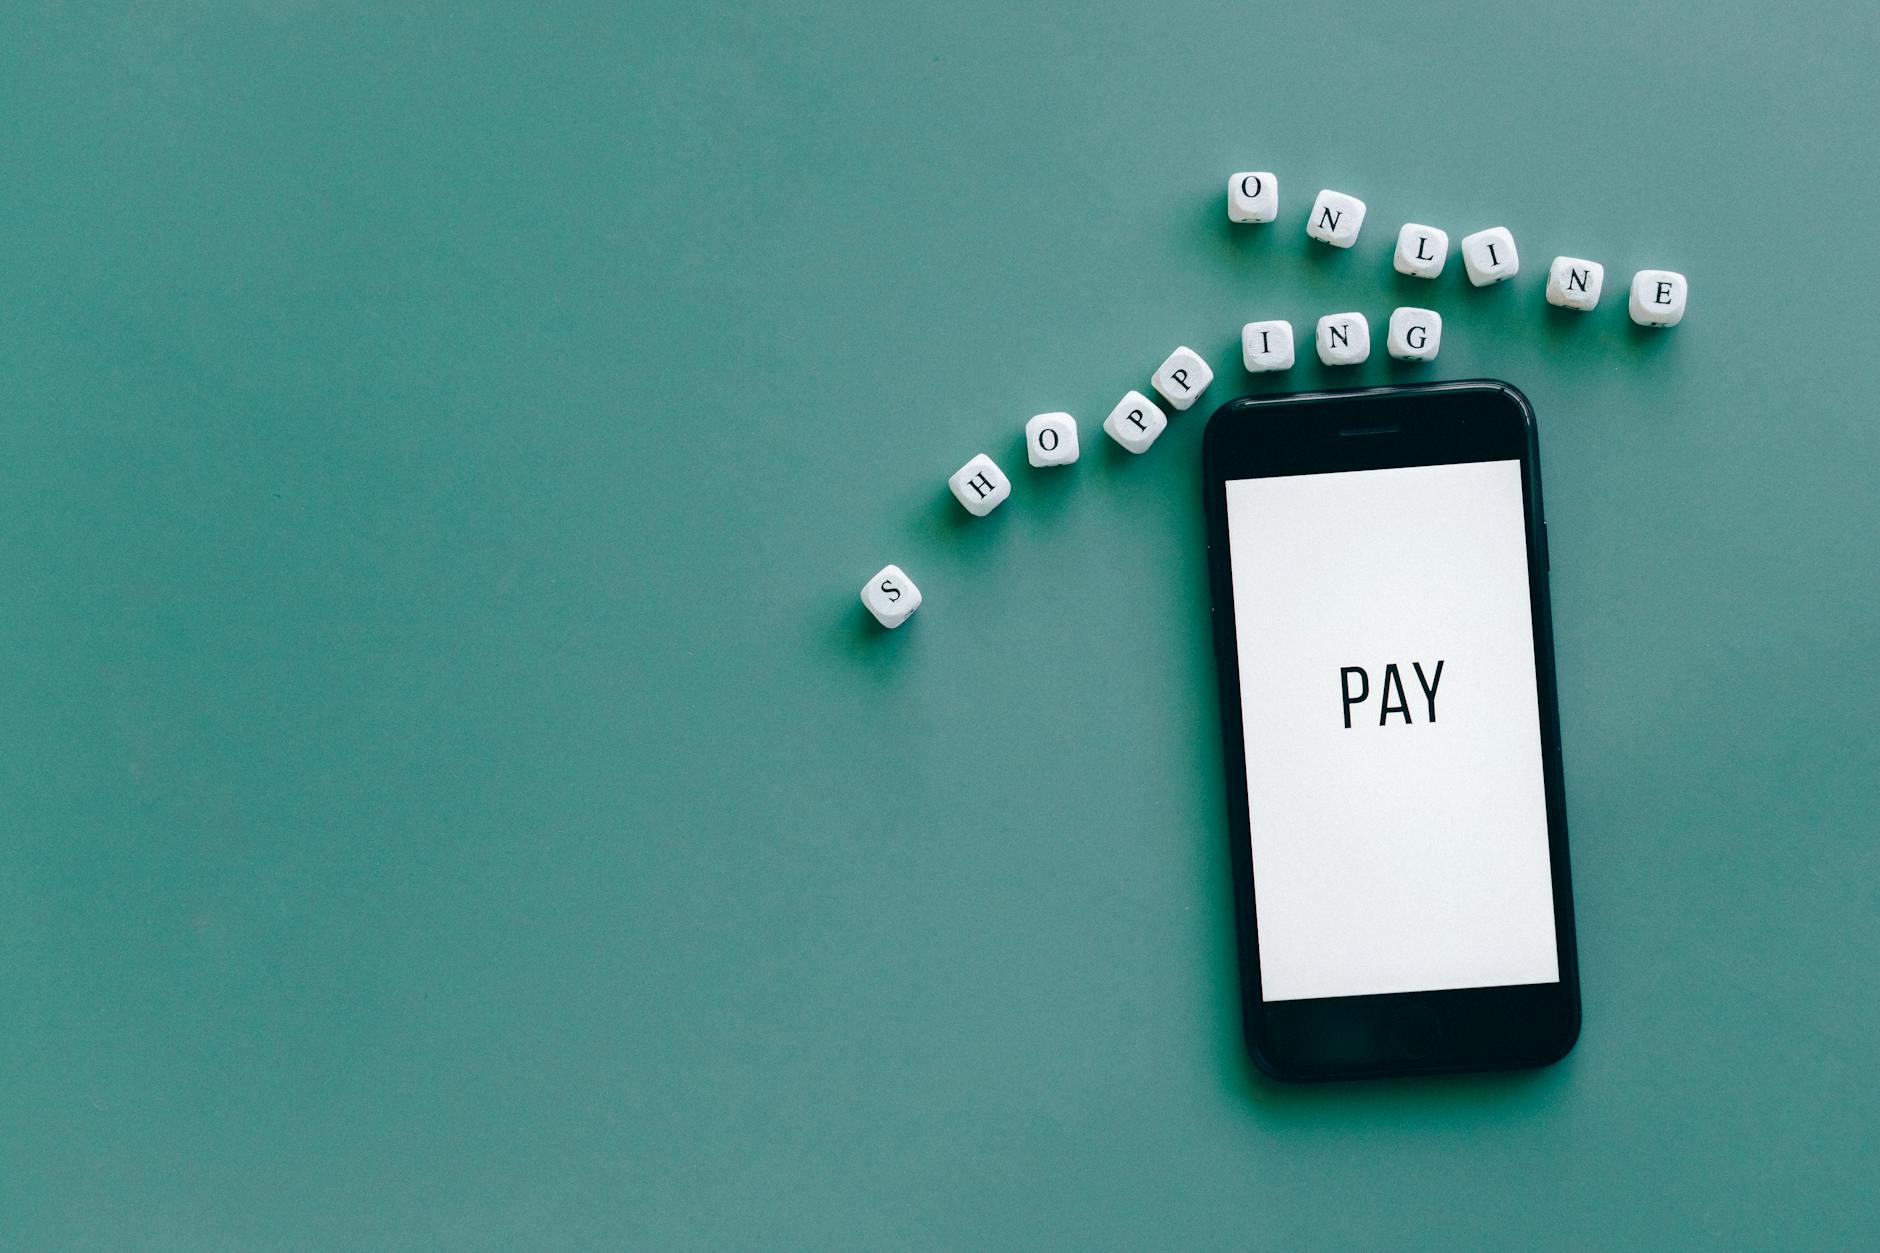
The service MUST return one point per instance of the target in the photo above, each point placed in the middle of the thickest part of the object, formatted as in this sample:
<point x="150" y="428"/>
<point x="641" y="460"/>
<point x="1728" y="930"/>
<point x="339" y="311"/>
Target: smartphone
<point x="1395" y="805"/>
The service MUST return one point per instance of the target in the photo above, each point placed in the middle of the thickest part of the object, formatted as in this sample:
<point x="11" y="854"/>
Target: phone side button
<point x="1547" y="549"/>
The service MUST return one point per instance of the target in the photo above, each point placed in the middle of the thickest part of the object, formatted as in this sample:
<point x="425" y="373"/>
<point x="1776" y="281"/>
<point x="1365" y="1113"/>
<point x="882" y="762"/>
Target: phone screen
<point x="1396" y="797"/>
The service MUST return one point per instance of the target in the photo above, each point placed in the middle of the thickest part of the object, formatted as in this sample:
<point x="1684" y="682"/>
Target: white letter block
<point x="1051" y="439"/>
<point x="1658" y="297"/>
<point x="1135" y="422"/>
<point x="1573" y="283"/>
<point x="1415" y="334"/>
<point x="891" y="596"/>
<point x="980" y="485"/>
<point x="1266" y="346"/>
<point x="1252" y="197"/>
<point x="1344" y="338"/>
<point x="1489" y="256"/>
<point x="1336" y="218"/>
<point x="1422" y="251"/>
<point x="1182" y="377"/>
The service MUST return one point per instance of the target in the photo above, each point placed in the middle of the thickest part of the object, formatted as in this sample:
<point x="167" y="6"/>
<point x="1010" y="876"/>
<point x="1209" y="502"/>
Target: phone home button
<point x="1415" y="1031"/>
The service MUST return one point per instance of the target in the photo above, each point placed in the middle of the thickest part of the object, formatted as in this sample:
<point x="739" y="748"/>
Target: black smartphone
<point x="1395" y="805"/>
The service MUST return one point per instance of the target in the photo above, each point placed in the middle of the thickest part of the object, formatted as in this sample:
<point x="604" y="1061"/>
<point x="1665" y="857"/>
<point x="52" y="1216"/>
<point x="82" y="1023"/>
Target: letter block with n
<point x="1336" y="219"/>
<point x="1574" y="282"/>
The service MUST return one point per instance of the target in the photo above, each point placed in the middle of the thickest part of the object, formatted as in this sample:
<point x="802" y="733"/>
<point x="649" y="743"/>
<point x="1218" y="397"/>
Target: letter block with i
<point x="980" y="485"/>
<point x="1267" y="346"/>
<point x="1489" y="256"/>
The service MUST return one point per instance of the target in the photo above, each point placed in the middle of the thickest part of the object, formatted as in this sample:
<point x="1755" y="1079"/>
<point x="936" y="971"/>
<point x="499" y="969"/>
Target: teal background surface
<point x="454" y="799"/>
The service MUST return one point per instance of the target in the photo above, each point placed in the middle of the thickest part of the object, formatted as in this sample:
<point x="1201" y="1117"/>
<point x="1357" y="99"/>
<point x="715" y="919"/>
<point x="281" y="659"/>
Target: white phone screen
<point x="1396" y="800"/>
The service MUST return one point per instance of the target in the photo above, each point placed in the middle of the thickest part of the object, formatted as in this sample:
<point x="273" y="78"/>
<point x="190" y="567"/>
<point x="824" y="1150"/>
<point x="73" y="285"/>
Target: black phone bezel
<point x="1411" y="1032"/>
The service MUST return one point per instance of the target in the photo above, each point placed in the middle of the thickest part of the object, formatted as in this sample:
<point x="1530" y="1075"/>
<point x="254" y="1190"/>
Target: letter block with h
<point x="980" y="485"/>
